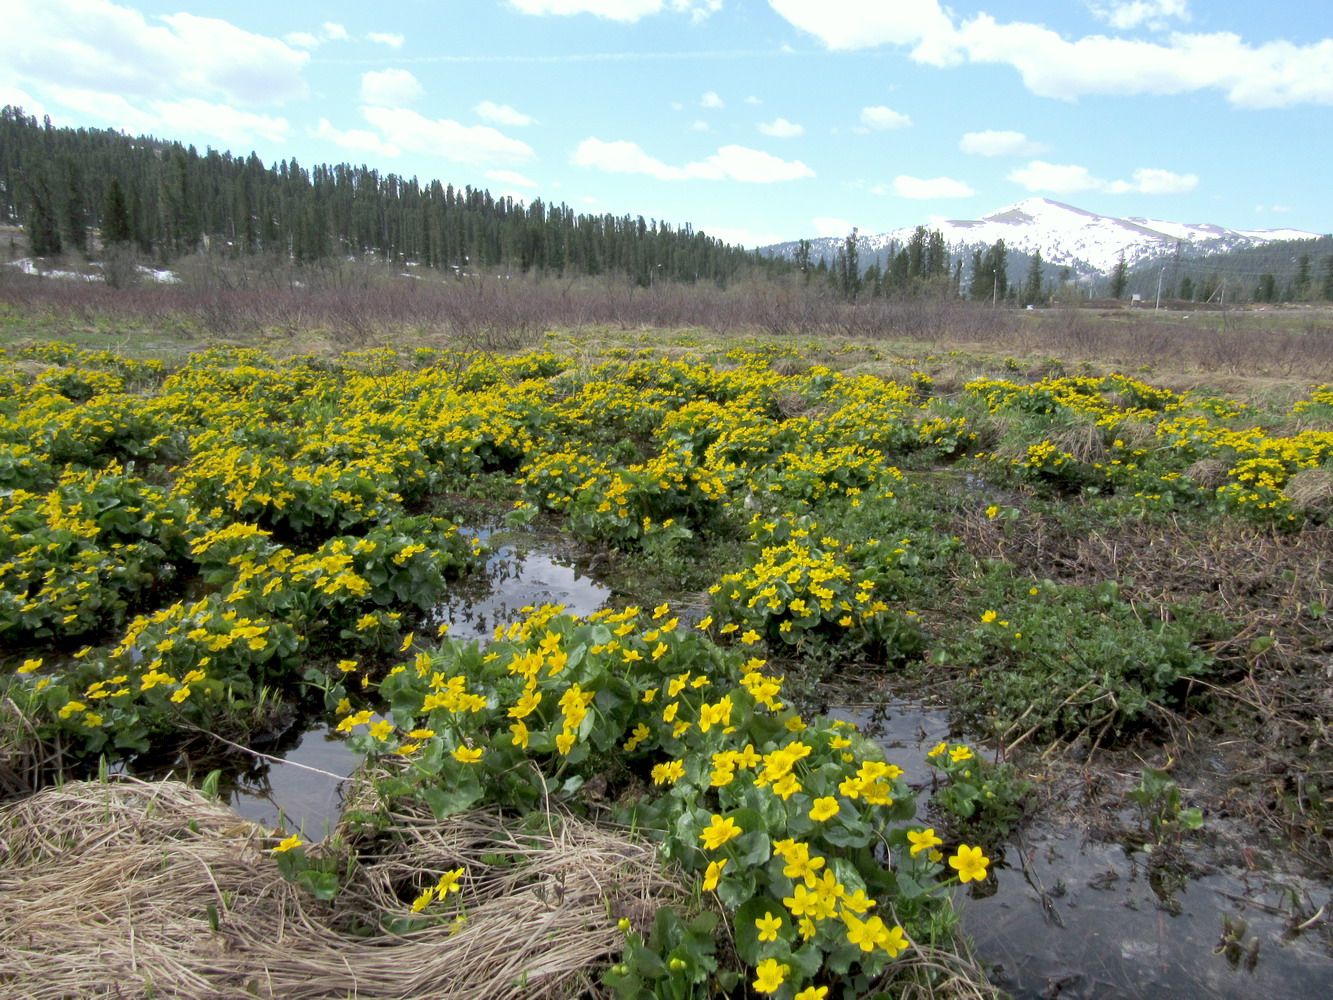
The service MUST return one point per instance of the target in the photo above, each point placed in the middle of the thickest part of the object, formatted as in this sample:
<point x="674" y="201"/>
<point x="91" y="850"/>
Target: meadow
<point x="215" y="521"/>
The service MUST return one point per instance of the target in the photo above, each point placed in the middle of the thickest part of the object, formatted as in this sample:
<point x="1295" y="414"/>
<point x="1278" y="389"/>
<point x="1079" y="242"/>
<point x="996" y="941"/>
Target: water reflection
<point x="291" y="786"/>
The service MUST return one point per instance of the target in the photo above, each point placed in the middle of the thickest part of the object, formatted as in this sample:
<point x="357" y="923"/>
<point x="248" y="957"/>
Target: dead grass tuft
<point x="109" y="887"/>
<point x="1311" y="491"/>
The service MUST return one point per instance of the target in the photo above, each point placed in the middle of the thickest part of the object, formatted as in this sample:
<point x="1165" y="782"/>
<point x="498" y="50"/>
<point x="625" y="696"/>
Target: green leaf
<point x="323" y="885"/>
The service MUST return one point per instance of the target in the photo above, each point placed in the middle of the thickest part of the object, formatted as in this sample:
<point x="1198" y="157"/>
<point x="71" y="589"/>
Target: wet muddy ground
<point x="1072" y="910"/>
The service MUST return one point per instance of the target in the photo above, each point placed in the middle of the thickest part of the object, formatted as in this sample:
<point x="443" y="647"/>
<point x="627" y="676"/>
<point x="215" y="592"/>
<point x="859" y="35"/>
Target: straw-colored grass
<point x="106" y="889"/>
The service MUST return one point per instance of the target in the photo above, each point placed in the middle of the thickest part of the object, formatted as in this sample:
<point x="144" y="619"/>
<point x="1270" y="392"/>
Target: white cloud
<point x="503" y="114"/>
<point x="736" y="163"/>
<point x="479" y="145"/>
<point x="1150" y="181"/>
<point x="510" y="177"/>
<point x="357" y="139"/>
<point x="16" y="98"/>
<point x="219" y="120"/>
<point x="390" y="88"/>
<point x="1071" y="179"/>
<point x="98" y="45"/>
<point x="1000" y="143"/>
<point x="938" y="187"/>
<point x="389" y="38"/>
<point x="328" y="32"/>
<point x="1056" y="178"/>
<point x="1272" y="208"/>
<point x="619" y="10"/>
<point x="780" y="128"/>
<point x="699" y="125"/>
<point x="712" y="101"/>
<point x="881" y="118"/>
<point x="1125" y="14"/>
<point x="1268" y="75"/>
<point x="753" y="100"/>
<point x="829" y="227"/>
<point x="190" y="115"/>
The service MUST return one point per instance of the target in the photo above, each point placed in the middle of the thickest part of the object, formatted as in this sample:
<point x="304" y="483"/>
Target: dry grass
<point x="107" y="892"/>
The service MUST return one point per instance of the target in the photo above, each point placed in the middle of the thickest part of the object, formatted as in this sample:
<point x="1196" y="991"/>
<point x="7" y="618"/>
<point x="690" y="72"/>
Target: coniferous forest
<point x="170" y="200"/>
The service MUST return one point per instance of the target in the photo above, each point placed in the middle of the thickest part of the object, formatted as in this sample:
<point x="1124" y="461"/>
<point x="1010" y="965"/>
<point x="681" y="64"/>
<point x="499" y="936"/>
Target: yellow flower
<point x="467" y="755"/>
<point x="923" y="840"/>
<point x="347" y="666"/>
<point x="521" y="734"/>
<point x="938" y="749"/>
<point x="824" y="808"/>
<point x="181" y="695"/>
<point x="29" y="666"/>
<point x="992" y="510"/>
<point x="407" y="642"/>
<point x="719" y="831"/>
<point x="970" y="863"/>
<point x="768" y="926"/>
<point x="713" y="874"/>
<point x="771" y="975"/>
<point x="669" y="772"/>
<point x="893" y="941"/>
<point x="424" y="900"/>
<point x="381" y="730"/>
<point x="288" y="844"/>
<point x="812" y="993"/>
<point x="960" y="753"/>
<point x="565" y="742"/>
<point x="449" y="882"/>
<point x="988" y="616"/>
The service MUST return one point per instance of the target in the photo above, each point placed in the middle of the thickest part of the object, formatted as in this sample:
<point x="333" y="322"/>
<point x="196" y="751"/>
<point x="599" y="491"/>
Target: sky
<point x="756" y="121"/>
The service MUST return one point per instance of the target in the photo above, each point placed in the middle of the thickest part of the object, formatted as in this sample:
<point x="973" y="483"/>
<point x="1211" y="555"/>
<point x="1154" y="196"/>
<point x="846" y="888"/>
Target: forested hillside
<point x="169" y="200"/>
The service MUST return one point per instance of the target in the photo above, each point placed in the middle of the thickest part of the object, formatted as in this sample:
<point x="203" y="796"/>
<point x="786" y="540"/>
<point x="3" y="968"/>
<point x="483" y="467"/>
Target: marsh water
<point x="1063" y="915"/>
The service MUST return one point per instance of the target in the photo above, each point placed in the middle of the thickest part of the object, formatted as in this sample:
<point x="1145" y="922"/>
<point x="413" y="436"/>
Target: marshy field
<point x="386" y="639"/>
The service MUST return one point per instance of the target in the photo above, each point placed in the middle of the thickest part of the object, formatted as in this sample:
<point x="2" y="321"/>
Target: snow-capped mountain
<point x="1066" y="236"/>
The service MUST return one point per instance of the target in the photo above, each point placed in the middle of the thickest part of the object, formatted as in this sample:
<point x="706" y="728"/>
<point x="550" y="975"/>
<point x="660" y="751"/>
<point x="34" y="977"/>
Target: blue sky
<point x="754" y="120"/>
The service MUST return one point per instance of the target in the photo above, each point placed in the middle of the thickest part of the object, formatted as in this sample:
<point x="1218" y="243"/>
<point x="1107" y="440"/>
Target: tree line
<point x="168" y="200"/>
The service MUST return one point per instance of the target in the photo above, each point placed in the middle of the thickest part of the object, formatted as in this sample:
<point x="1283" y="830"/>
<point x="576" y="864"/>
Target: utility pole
<point x="995" y="288"/>
<point x="1160" y="274"/>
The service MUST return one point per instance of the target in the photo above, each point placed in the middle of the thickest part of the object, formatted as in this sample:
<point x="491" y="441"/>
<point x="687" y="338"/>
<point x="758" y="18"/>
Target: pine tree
<point x="116" y="226"/>
<point x="1119" y="278"/>
<point x="1266" y="289"/>
<point x="1187" y="288"/>
<point x="1032" y="287"/>
<point x="43" y="227"/>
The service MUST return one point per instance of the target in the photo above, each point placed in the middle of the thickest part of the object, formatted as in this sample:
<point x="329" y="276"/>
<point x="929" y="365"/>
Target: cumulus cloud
<point x="699" y="125"/>
<point x="1000" y="143"/>
<point x="389" y="38"/>
<point x="881" y="118"/>
<point x="390" y="88"/>
<point x="619" y="10"/>
<point x="479" y="145"/>
<point x="1126" y="14"/>
<point x="189" y="115"/>
<point x="1057" y="178"/>
<point x="328" y="32"/>
<point x="1269" y="75"/>
<point x="16" y="98"/>
<point x="737" y="163"/>
<point x="780" y="128"/>
<point x="356" y="139"/>
<point x="753" y="100"/>
<point x="830" y="227"/>
<point x="98" y="45"/>
<point x="510" y="177"/>
<point x="712" y="101"/>
<point x="503" y="114"/>
<point x="937" y="187"/>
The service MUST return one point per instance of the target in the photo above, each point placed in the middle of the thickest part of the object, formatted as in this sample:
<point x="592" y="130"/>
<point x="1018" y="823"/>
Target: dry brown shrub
<point x="1311" y="490"/>
<point x="1083" y="441"/>
<point x="111" y="890"/>
<point x="1209" y="473"/>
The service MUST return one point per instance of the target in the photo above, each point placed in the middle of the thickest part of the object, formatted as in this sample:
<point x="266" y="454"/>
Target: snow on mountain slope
<point x="1071" y="236"/>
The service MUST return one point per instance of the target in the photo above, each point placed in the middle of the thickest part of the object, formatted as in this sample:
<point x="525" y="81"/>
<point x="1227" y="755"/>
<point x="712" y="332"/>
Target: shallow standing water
<point x="302" y="798"/>
<point x="1065" y="917"/>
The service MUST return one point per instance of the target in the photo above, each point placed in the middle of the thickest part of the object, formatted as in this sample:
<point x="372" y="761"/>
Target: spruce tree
<point x="1032" y="287"/>
<point x="1119" y="278"/>
<point x="116" y="226"/>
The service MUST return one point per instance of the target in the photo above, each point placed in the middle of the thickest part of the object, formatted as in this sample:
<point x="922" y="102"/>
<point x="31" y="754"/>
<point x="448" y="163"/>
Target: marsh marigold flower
<point x="970" y="863"/>
<point x="719" y="831"/>
<point x="771" y="975"/>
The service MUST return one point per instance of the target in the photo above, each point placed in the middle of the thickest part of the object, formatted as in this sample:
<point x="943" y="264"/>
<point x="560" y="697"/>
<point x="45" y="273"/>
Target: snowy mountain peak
<point x="1073" y="237"/>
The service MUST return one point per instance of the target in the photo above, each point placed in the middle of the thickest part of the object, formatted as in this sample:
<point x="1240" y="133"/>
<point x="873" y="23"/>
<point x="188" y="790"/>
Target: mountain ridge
<point x="1065" y="235"/>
